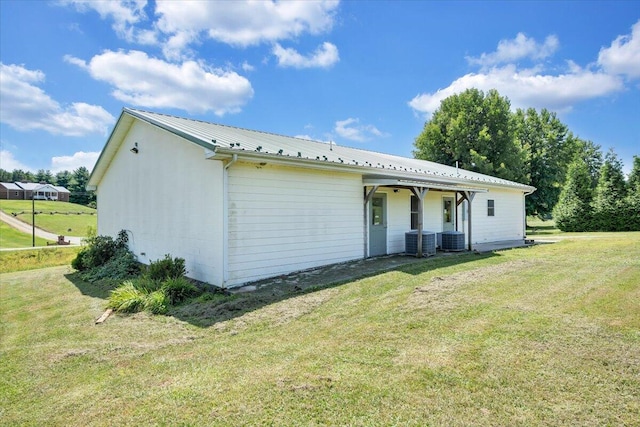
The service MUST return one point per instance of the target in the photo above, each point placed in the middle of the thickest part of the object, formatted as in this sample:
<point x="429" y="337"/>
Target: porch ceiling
<point x="391" y="182"/>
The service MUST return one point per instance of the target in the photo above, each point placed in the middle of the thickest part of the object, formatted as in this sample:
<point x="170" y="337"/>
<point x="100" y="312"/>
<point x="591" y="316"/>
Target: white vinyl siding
<point x="168" y="198"/>
<point x="507" y="222"/>
<point x="283" y="219"/>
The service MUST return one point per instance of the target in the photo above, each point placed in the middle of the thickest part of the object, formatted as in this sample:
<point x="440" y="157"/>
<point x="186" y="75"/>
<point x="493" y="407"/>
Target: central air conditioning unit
<point x="452" y="241"/>
<point x="428" y="243"/>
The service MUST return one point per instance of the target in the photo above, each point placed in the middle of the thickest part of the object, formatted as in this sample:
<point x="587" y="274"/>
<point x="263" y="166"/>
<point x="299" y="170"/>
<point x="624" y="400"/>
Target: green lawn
<point x="546" y="335"/>
<point x="538" y="227"/>
<point x="60" y="218"/>
<point x="12" y="238"/>
<point x="31" y="259"/>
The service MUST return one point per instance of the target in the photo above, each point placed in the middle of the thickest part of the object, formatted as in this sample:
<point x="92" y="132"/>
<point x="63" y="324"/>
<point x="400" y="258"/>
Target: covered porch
<point x="375" y="217"/>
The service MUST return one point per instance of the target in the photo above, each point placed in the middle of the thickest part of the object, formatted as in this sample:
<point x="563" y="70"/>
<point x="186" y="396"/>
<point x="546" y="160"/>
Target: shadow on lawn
<point x="266" y="292"/>
<point x="223" y="306"/>
<point x="95" y="290"/>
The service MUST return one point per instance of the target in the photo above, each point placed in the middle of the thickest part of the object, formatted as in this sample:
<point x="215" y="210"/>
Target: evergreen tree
<point x="632" y="202"/>
<point x="609" y="197"/>
<point x="63" y="179"/>
<point x="573" y="210"/>
<point x="79" y="192"/>
<point x="5" y="176"/>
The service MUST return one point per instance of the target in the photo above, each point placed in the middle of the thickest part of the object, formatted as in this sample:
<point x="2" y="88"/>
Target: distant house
<point x="241" y="205"/>
<point x="40" y="191"/>
<point x="11" y="191"/>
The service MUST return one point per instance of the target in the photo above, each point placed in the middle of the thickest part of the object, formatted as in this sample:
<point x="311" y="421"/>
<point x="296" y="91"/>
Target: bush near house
<point x="154" y="288"/>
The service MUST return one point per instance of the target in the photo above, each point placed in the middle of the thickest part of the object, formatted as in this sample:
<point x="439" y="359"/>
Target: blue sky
<point x="365" y="74"/>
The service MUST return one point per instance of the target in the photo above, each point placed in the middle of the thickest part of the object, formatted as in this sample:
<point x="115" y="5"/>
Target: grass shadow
<point x="96" y="290"/>
<point x="266" y="292"/>
<point x="221" y="306"/>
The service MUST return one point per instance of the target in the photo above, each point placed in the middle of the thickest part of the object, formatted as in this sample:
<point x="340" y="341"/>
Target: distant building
<point x="24" y="191"/>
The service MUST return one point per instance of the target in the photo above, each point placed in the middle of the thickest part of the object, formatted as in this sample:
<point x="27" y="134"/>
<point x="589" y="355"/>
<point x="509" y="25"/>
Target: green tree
<point x="474" y="130"/>
<point x="547" y="152"/>
<point x="78" y="187"/>
<point x="632" y="202"/>
<point x="63" y="179"/>
<point x="609" y="197"/>
<point x="573" y="210"/>
<point x="18" y="175"/>
<point x="44" y="176"/>
<point x="5" y="176"/>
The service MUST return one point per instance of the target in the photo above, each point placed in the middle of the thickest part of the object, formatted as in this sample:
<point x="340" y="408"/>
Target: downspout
<point x="234" y="159"/>
<point x="524" y="213"/>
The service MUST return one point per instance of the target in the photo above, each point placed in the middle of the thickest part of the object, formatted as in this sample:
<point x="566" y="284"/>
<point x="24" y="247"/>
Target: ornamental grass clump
<point x="161" y="285"/>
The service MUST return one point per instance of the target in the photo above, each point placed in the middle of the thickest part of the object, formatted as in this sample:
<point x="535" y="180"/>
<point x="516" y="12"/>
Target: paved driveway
<point x="27" y="228"/>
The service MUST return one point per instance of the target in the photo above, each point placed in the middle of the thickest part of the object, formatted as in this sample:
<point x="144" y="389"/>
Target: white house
<point x="241" y="205"/>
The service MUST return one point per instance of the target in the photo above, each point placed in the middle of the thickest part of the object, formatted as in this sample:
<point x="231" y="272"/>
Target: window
<point x="414" y="212"/>
<point x="491" y="209"/>
<point x="377" y="211"/>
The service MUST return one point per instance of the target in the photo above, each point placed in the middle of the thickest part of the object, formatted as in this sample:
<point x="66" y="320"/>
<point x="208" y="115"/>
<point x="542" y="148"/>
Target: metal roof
<point x="10" y="186"/>
<point x="228" y="140"/>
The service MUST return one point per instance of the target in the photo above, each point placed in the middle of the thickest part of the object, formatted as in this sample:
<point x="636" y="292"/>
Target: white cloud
<point x="124" y="13"/>
<point x="324" y="57"/>
<point x="25" y="106"/>
<point x="521" y="47"/>
<point x="73" y="162"/>
<point x="526" y="89"/>
<point x="9" y="163"/>
<point x="149" y="82"/>
<point x="352" y="129"/>
<point x="623" y="56"/>
<point x="533" y="86"/>
<point x="242" y="23"/>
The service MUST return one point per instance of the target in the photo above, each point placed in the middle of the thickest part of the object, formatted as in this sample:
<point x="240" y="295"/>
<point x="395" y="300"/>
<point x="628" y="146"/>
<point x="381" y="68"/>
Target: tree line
<point x="481" y="133"/>
<point x="75" y="182"/>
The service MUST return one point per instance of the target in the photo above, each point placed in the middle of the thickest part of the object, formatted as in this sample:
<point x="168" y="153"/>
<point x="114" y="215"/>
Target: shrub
<point x="123" y="265"/>
<point x="167" y="268"/>
<point x="179" y="289"/>
<point x="99" y="250"/>
<point x="156" y="302"/>
<point x="127" y="298"/>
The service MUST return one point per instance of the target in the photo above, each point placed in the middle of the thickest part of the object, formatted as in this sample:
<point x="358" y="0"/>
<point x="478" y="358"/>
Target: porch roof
<point x="407" y="183"/>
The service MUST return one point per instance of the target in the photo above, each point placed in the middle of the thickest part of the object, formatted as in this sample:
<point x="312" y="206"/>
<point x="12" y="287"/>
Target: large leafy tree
<point x="547" y="152"/>
<point x="573" y="210"/>
<point x="473" y="129"/>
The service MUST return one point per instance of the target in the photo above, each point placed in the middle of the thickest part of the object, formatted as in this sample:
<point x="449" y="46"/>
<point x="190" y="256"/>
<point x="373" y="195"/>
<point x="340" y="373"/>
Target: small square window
<point x="491" y="209"/>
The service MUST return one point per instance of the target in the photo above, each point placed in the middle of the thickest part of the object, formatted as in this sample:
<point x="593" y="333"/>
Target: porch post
<point x="420" y="193"/>
<point x="367" y="197"/>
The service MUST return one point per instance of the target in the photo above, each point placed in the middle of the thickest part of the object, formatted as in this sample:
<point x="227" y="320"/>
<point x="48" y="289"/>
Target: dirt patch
<point x="277" y="313"/>
<point x="440" y="293"/>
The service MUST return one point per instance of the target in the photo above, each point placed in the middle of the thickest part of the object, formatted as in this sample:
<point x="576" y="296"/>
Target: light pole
<point x="33" y="219"/>
<point x="33" y="216"/>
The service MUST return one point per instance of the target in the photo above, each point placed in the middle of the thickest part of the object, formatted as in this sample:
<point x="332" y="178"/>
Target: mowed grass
<point x="547" y="335"/>
<point x="31" y="259"/>
<point x="12" y="238"/>
<point x="61" y="218"/>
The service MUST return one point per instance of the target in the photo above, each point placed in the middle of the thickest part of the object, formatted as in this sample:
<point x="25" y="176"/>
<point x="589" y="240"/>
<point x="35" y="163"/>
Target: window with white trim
<point x="491" y="207"/>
